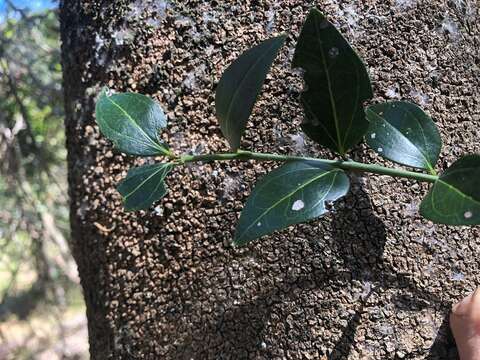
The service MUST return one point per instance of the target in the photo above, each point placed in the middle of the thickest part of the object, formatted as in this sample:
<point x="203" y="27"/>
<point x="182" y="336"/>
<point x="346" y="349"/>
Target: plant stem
<point x="345" y="165"/>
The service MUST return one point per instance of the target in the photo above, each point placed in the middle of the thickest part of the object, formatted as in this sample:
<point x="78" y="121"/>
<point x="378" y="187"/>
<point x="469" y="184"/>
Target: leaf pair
<point x="336" y="78"/>
<point x="337" y="86"/>
<point x="132" y="122"/>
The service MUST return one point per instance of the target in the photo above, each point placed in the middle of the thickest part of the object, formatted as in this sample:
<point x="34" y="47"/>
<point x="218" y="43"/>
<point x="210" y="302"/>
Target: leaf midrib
<point x="453" y="188"/>
<point x="427" y="161"/>
<point x="329" y="85"/>
<point x="129" y="117"/>
<point x="147" y="144"/>
<point x="143" y="182"/>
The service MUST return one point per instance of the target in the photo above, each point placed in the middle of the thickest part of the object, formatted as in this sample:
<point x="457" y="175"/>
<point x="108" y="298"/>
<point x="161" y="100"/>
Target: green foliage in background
<point x="34" y="214"/>
<point x="336" y="116"/>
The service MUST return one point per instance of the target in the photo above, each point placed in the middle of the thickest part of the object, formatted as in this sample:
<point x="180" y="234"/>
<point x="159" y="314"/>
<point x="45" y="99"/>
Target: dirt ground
<point x="45" y="336"/>
<point x="371" y="280"/>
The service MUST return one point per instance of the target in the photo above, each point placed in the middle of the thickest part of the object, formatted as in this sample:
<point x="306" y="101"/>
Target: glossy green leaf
<point x="132" y="122"/>
<point x="144" y="185"/>
<point x="293" y="193"/>
<point x="337" y="84"/>
<point x="454" y="198"/>
<point x="240" y="85"/>
<point x="402" y="132"/>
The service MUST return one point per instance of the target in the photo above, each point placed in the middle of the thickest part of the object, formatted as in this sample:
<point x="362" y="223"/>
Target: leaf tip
<point x="237" y="243"/>
<point x="282" y="37"/>
<point x="315" y="10"/>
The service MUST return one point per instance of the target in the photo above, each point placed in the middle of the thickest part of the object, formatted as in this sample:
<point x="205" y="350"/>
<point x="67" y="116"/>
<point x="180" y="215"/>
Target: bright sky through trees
<point x="31" y="4"/>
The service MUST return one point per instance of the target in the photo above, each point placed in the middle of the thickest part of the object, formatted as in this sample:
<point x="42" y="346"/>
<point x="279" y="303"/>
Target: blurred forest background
<point x="42" y="312"/>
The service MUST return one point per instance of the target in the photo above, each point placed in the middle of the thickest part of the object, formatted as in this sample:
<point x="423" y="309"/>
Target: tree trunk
<point x="371" y="280"/>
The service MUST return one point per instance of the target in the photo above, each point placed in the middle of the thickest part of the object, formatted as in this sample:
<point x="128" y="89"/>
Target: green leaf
<point x="240" y="85"/>
<point x="337" y="85"/>
<point x="293" y="193"/>
<point x="455" y="197"/>
<point x="144" y="185"/>
<point x="402" y="132"/>
<point x="132" y="122"/>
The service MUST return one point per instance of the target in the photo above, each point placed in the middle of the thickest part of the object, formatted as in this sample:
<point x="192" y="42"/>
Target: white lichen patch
<point x="155" y="23"/>
<point x="160" y="7"/>
<point x="123" y="36"/>
<point x="366" y="290"/>
<point x="270" y="14"/>
<point x="458" y="276"/>
<point x="197" y="149"/>
<point x="352" y="17"/>
<point x="411" y="209"/>
<point x="298" y="141"/>
<point x="183" y="21"/>
<point x="419" y="97"/>
<point x="298" y="205"/>
<point x="230" y="186"/>
<point x="193" y="76"/>
<point x="209" y="17"/>
<point x="405" y="4"/>
<point x="392" y="93"/>
<point x="450" y="28"/>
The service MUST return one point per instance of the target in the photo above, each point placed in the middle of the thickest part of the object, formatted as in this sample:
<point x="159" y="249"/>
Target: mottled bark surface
<point x="372" y="280"/>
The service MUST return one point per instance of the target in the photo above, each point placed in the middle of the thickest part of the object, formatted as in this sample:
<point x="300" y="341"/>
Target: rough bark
<point x="372" y="280"/>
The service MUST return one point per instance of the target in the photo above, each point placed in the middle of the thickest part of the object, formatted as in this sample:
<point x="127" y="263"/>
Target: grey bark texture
<point x="371" y="280"/>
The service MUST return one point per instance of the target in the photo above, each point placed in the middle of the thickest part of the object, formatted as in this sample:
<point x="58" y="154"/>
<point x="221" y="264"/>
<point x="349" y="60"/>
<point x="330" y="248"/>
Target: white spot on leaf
<point x="380" y="149"/>
<point x="259" y="224"/>
<point x="467" y="214"/>
<point x="373" y="135"/>
<point x="333" y="52"/>
<point x="298" y="205"/>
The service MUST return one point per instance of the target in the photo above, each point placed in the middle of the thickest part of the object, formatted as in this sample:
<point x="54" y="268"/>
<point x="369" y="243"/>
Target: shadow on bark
<point x="359" y="238"/>
<point x="238" y="332"/>
<point x="444" y="347"/>
<point x="343" y="346"/>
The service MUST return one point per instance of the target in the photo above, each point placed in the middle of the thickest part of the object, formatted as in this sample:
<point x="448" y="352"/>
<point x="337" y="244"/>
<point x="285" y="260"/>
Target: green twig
<point x="345" y="165"/>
